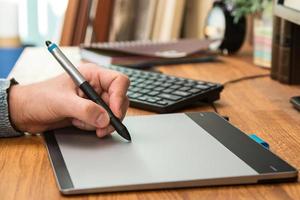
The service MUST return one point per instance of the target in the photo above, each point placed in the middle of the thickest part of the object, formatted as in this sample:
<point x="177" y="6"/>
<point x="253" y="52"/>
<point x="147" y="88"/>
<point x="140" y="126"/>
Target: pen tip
<point x="47" y="43"/>
<point x="125" y="134"/>
<point x="127" y="137"/>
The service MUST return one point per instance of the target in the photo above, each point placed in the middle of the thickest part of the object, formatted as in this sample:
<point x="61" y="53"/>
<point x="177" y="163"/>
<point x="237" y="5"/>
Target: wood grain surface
<point x="258" y="106"/>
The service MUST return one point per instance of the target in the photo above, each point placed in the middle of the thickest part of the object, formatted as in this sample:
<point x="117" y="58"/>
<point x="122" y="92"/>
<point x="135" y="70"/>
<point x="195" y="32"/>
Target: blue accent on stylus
<point x="52" y="46"/>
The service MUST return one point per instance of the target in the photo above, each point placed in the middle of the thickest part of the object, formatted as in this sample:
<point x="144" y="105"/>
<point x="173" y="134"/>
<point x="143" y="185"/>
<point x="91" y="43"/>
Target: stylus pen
<point x="86" y="88"/>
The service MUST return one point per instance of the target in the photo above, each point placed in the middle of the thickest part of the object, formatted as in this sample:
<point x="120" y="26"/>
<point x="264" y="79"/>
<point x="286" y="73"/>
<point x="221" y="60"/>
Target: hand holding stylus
<point x="86" y="88"/>
<point x="58" y="102"/>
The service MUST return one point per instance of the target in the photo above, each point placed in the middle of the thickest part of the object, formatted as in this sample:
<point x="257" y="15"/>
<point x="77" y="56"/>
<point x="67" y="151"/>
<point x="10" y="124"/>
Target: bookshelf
<point x="291" y="13"/>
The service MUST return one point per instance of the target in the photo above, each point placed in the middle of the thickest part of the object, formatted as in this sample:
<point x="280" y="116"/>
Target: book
<point x="168" y="20"/>
<point x="90" y="29"/>
<point x="285" y="46"/>
<point x="148" y="53"/>
<point x="81" y="22"/>
<point x="288" y="53"/>
<point x="122" y="22"/>
<point x="294" y="75"/>
<point x="196" y="12"/>
<point x="144" y="19"/>
<point x="101" y="23"/>
<point x="263" y="38"/>
<point x="69" y="23"/>
<point x="141" y="61"/>
<point x="275" y="47"/>
<point x="172" y="49"/>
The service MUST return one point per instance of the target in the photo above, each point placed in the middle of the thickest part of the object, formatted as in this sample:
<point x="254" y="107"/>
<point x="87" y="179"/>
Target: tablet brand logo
<point x="273" y="168"/>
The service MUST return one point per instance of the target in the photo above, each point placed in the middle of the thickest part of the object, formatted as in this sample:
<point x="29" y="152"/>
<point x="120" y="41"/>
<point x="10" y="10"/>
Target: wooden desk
<point x="258" y="106"/>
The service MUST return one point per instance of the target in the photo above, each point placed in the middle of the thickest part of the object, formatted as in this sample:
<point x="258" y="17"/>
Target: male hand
<point x="58" y="102"/>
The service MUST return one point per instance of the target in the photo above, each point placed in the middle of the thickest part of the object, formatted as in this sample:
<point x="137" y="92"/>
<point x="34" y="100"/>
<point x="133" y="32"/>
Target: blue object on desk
<point x="8" y="58"/>
<point x="259" y="141"/>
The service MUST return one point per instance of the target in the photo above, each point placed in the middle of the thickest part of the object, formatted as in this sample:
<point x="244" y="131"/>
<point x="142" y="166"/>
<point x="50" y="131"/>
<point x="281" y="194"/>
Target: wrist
<point x="17" y="103"/>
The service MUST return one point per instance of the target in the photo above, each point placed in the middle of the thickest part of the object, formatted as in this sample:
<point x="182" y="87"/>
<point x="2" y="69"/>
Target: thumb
<point x="89" y="112"/>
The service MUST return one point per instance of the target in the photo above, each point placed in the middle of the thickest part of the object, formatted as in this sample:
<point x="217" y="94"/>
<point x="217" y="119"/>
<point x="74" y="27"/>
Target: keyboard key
<point x="204" y="87"/>
<point x="175" y="87"/>
<point x="134" y="89"/>
<point x="129" y="93"/>
<point x="162" y="79"/>
<point x="133" y="83"/>
<point x="170" y="96"/>
<point x="153" y="93"/>
<point x="142" y="85"/>
<point x="144" y="91"/>
<point x="150" y="87"/>
<point x="151" y="77"/>
<point x="169" y="90"/>
<point x="151" y="100"/>
<point x="149" y="82"/>
<point x="195" y="90"/>
<point x="157" y="83"/>
<point x="162" y="103"/>
<point x="134" y="95"/>
<point x="159" y="88"/>
<point x="181" y="93"/>
<point x="189" y="84"/>
<point x="211" y="84"/>
<point x="166" y="85"/>
<point x="157" y="98"/>
<point x="192" y="81"/>
<point x="142" y="98"/>
<point x="185" y="88"/>
<point x="171" y="81"/>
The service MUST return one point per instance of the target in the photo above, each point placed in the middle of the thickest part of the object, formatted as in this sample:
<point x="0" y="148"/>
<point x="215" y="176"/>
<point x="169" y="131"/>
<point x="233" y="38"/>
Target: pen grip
<point x="89" y="91"/>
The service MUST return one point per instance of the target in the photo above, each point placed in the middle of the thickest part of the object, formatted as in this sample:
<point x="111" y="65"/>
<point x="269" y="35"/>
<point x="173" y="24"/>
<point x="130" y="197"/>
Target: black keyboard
<point x="162" y="93"/>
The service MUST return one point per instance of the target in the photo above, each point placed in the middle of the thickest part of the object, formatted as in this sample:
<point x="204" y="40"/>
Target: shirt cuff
<point x="6" y="128"/>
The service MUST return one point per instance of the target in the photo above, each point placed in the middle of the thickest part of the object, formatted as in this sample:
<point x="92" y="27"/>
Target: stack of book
<point x="142" y="54"/>
<point x="90" y="21"/>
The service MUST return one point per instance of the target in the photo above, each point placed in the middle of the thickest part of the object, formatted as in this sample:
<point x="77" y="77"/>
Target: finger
<point x="117" y="95"/>
<point x="112" y="81"/>
<point x="97" y="75"/>
<point x="82" y="125"/>
<point x="102" y="132"/>
<point x="88" y="112"/>
<point x="118" y="105"/>
<point x="124" y="108"/>
<point x="105" y="97"/>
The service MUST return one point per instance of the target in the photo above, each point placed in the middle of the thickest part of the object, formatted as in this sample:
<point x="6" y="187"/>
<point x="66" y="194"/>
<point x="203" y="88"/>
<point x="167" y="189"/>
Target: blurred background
<point x="32" y="20"/>
<point x="71" y="23"/>
<point x="27" y="23"/>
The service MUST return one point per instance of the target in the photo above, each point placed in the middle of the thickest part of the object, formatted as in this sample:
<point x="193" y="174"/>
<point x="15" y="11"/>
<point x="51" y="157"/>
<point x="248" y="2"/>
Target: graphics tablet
<point x="167" y="151"/>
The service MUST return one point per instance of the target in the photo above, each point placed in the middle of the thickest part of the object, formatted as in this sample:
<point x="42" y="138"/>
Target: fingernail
<point x="101" y="121"/>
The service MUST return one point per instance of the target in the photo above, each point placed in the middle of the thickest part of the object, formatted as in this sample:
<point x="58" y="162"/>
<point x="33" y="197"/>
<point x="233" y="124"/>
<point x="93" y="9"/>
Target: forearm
<point x="6" y="127"/>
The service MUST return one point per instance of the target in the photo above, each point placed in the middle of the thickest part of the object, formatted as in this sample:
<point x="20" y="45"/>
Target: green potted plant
<point x="261" y="10"/>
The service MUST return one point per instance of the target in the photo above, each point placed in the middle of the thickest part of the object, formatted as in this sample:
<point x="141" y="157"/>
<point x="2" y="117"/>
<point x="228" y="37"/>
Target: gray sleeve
<point x="6" y="128"/>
